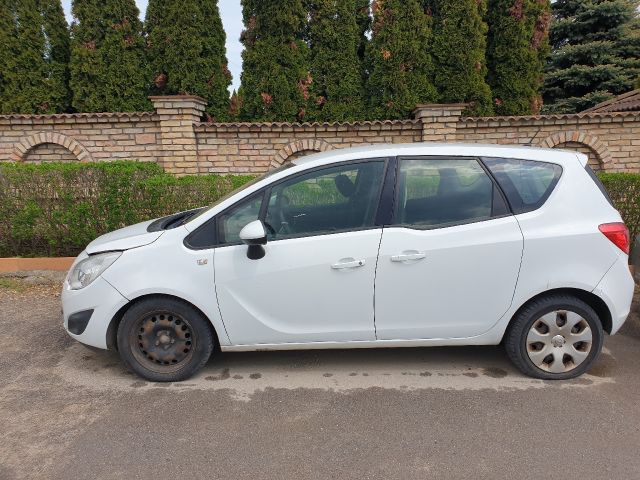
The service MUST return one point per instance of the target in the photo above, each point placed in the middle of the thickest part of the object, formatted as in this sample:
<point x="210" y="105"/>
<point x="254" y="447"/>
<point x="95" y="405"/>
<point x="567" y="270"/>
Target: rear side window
<point x="441" y="192"/>
<point x="526" y="183"/>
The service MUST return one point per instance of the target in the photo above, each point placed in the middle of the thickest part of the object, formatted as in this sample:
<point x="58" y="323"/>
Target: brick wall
<point x="612" y="140"/>
<point x="49" y="152"/>
<point x="233" y="148"/>
<point x="86" y="136"/>
<point x="174" y="136"/>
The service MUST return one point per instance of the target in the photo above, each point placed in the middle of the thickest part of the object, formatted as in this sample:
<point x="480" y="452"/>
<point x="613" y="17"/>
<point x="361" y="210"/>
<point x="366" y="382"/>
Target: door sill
<point x="432" y="342"/>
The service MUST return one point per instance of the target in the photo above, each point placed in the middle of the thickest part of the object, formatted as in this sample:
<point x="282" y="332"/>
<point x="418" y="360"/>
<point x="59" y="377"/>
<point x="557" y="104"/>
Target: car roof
<point x="439" y="149"/>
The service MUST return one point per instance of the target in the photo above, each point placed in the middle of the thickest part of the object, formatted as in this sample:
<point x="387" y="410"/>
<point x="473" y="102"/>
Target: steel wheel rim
<point x="559" y="341"/>
<point x="162" y="341"/>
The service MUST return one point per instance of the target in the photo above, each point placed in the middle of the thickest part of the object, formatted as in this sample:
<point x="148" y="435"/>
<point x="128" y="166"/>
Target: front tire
<point x="556" y="337"/>
<point x="164" y="339"/>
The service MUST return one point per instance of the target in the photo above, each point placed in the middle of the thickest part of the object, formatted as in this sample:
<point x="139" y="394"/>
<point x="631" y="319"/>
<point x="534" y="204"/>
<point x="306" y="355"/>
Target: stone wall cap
<point x="441" y="106"/>
<point x="360" y="123"/>
<point x="62" y="116"/>
<point x="556" y="116"/>
<point x="194" y="98"/>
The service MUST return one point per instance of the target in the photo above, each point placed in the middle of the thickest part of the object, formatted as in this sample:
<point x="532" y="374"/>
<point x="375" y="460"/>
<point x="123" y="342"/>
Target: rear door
<point x="449" y="262"/>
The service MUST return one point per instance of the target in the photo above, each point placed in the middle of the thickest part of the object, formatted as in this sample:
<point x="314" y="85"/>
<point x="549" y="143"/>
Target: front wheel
<point x="164" y="339"/>
<point x="555" y="338"/>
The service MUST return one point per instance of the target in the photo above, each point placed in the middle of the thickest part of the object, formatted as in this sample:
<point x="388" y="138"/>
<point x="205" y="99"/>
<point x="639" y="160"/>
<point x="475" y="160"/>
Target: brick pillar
<point x="439" y="120"/>
<point x="178" y="142"/>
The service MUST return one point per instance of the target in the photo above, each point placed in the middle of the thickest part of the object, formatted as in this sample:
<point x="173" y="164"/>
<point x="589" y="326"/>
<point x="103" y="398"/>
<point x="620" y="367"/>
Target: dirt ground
<point x="67" y="412"/>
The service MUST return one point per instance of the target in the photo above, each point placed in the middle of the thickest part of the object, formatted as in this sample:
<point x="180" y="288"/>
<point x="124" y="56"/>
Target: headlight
<point x="90" y="268"/>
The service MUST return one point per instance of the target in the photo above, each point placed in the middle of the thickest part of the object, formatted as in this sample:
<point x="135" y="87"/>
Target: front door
<point x="315" y="282"/>
<point x="449" y="263"/>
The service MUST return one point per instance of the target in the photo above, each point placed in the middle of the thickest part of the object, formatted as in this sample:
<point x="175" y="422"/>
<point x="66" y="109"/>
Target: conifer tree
<point x="334" y="40"/>
<point x="57" y="53"/>
<point x="596" y="53"/>
<point x="400" y="66"/>
<point x="107" y="67"/>
<point x="34" y="49"/>
<point x="363" y="19"/>
<point x="459" y="52"/>
<point x="275" y="82"/>
<point x="187" y="52"/>
<point x="234" y="107"/>
<point x="517" y="49"/>
<point x="7" y="50"/>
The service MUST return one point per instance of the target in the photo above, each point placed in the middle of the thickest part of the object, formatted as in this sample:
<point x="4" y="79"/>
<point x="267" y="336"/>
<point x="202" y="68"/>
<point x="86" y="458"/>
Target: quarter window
<point x="526" y="183"/>
<point x="441" y="192"/>
<point x="330" y="200"/>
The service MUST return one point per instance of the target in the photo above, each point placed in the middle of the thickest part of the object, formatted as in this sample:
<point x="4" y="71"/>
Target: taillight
<point x="618" y="233"/>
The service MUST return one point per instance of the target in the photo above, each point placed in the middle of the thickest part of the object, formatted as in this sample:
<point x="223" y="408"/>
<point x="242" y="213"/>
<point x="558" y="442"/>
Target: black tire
<point x="518" y="348"/>
<point x="164" y="339"/>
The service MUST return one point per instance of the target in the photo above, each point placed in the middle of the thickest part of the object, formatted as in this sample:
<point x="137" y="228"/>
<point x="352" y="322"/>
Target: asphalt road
<point x="69" y="413"/>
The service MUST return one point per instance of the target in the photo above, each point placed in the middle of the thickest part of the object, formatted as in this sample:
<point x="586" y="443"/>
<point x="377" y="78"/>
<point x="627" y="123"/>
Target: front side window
<point x="233" y="220"/>
<point x="526" y="183"/>
<point x="441" y="192"/>
<point x="332" y="199"/>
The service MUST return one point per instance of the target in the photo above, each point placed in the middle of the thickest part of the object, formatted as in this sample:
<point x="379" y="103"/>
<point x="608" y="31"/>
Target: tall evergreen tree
<point x="107" y="67"/>
<point x="275" y="82"/>
<point x="334" y="40"/>
<point x="400" y="66"/>
<point x="234" y="107"/>
<point x="363" y="19"/>
<point x="517" y="48"/>
<point x="459" y="51"/>
<point x="8" y="49"/>
<point x="57" y="54"/>
<point x="34" y="48"/>
<point x="186" y="47"/>
<point x="596" y="53"/>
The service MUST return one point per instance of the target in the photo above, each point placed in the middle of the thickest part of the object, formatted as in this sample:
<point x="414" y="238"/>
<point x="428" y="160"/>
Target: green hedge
<point x="55" y="209"/>
<point x="624" y="190"/>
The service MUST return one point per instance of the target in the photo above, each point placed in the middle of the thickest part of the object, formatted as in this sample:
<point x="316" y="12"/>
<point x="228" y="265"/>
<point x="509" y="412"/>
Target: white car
<point x="383" y="246"/>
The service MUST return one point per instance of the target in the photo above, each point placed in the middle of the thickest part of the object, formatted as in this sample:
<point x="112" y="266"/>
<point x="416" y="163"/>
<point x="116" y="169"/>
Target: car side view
<point x="382" y="246"/>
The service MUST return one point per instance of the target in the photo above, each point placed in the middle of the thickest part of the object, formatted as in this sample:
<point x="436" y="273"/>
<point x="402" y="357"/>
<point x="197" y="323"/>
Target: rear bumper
<point x="616" y="289"/>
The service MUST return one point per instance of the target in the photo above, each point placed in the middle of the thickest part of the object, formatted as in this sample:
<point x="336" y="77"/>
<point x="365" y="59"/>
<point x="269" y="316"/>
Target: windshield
<point x="239" y="189"/>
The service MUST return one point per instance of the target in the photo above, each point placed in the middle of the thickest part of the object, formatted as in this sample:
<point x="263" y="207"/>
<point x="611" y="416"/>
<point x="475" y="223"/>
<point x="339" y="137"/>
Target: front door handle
<point x="408" y="256"/>
<point x="348" y="263"/>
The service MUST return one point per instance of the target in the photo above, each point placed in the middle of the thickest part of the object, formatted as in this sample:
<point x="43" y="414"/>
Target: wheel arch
<point x="590" y="298"/>
<point x="112" y="329"/>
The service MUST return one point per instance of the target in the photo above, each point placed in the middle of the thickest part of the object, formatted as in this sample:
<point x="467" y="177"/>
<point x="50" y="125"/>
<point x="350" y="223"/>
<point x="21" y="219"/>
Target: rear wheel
<point x="555" y="338"/>
<point x="164" y="339"/>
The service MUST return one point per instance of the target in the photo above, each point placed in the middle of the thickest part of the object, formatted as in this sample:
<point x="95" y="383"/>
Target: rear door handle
<point x="348" y="263"/>
<point x="407" y="257"/>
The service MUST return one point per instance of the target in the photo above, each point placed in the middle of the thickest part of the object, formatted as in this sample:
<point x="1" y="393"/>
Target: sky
<point x="231" y="14"/>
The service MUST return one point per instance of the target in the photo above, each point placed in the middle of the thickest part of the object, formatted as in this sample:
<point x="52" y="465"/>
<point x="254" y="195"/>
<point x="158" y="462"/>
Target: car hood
<point x="125" y="238"/>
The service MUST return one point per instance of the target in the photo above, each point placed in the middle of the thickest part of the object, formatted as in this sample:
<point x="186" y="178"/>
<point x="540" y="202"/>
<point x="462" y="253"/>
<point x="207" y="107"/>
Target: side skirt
<point x="486" y="339"/>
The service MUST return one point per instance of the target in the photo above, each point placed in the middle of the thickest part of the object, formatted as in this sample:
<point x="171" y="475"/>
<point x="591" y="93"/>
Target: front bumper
<point x="104" y="301"/>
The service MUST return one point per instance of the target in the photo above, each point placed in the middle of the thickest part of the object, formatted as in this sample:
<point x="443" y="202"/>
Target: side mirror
<point x="255" y="236"/>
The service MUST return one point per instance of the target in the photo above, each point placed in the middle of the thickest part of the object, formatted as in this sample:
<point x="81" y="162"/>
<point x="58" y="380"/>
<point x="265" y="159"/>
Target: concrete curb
<point x="16" y="264"/>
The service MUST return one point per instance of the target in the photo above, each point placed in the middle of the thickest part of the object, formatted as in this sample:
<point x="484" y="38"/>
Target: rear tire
<point x="164" y="339"/>
<point x="556" y="337"/>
